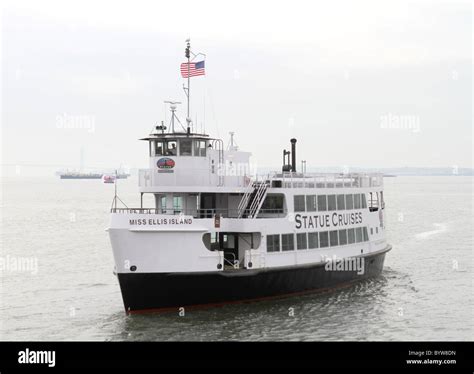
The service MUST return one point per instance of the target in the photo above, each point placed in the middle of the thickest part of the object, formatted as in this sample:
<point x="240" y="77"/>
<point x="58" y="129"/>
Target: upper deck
<point x="149" y="182"/>
<point x="326" y="180"/>
<point x="192" y="174"/>
<point x="185" y="160"/>
<point x="193" y="162"/>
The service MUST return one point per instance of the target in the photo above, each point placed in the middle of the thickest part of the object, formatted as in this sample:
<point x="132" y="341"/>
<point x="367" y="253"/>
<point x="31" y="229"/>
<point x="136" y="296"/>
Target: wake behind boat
<point x="218" y="233"/>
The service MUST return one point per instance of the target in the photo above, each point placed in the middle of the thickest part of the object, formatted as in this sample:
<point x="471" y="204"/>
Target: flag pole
<point x="115" y="186"/>
<point x="188" y="55"/>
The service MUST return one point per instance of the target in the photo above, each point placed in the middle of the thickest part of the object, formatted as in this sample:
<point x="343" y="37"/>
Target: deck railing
<point x="298" y="180"/>
<point x="201" y="213"/>
<point x="309" y="180"/>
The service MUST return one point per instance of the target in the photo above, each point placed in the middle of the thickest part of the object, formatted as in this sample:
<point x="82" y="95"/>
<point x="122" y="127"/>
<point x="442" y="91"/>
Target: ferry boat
<point x="218" y="233"/>
<point x="79" y="175"/>
<point x="108" y="178"/>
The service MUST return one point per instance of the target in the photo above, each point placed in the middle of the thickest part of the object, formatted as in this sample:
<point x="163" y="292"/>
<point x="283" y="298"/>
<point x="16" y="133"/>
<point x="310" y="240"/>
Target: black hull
<point x="147" y="292"/>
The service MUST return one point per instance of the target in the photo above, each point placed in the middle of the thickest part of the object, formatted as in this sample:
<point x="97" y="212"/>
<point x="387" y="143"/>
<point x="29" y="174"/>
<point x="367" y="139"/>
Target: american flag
<point x="195" y="68"/>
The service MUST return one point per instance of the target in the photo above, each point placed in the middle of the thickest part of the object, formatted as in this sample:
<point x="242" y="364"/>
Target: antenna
<point x="187" y="90"/>
<point x="115" y="185"/>
<point x="303" y="166"/>
<point x="164" y="110"/>
<point x="173" y="107"/>
<point x="187" y="54"/>
<point x="232" y="144"/>
<point x="203" y="125"/>
<point x="162" y="127"/>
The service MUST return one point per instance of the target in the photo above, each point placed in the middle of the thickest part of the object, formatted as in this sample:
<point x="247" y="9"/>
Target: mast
<point x="188" y="56"/>
<point x="232" y="146"/>
<point x="173" y="106"/>
<point x="115" y="188"/>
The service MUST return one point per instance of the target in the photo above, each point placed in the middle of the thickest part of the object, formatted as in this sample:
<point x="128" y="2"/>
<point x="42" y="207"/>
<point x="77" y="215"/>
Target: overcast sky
<point x="365" y="83"/>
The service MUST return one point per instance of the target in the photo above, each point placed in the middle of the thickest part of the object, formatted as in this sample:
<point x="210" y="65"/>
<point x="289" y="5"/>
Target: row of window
<point x="186" y="147"/>
<point x="322" y="203"/>
<point x="312" y="240"/>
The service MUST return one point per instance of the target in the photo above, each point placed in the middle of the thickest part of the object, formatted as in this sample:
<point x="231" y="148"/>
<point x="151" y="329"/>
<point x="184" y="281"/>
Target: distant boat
<point x="74" y="175"/>
<point x="77" y="175"/>
<point x="108" y="178"/>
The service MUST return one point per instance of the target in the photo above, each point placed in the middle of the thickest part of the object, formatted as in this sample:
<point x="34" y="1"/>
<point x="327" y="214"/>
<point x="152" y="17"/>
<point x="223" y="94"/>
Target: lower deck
<point x="261" y="228"/>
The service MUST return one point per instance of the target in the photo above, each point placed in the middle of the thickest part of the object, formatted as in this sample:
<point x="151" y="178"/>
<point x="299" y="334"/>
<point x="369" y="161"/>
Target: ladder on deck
<point x="253" y="199"/>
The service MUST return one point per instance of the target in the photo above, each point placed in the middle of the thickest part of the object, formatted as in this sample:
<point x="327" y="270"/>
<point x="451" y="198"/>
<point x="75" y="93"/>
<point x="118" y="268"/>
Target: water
<point x="425" y="292"/>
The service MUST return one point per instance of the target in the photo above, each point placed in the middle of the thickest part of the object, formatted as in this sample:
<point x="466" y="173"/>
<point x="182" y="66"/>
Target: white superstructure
<point x="205" y="211"/>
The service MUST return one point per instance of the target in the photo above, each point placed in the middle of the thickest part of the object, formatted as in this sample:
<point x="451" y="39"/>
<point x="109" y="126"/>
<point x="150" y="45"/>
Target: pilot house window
<point x="160" y="149"/>
<point x="200" y="148"/>
<point x="171" y="148"/>
<point x="185" y="147"/>
<point x="166" y="148"/>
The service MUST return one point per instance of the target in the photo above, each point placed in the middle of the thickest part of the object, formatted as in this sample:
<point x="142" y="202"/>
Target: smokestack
<point x="286" y="165"/>
<point x="293" y="155"/>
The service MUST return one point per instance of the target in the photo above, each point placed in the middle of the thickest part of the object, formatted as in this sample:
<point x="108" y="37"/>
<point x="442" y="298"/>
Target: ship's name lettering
<point x="160" y="221"/>
<point x="327" y="220"/>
